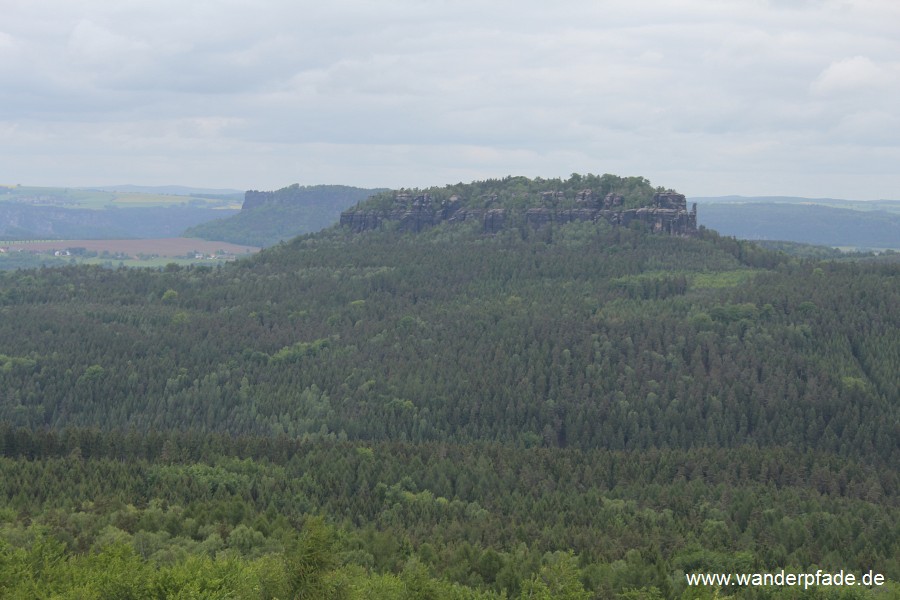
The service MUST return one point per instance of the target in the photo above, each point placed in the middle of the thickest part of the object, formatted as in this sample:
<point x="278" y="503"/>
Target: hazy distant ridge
<point x="827" y="222"/>
<point x="863" y="205"/>
<point x="19" y="221"/>
<point x="174" y="190"/>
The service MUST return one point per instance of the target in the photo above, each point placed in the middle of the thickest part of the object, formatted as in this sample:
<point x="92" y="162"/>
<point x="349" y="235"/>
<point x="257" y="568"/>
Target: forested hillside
<point x="518" y="192"/>
<point x="568" y="411"/>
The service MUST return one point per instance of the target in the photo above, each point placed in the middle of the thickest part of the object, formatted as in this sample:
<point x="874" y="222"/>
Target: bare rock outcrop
<point x="667" y="212"/>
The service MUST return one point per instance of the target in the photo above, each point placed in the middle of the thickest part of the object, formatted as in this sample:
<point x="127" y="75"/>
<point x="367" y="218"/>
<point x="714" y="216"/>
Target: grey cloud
<point x="689" y="90"/>
<point x="857" y="74"/>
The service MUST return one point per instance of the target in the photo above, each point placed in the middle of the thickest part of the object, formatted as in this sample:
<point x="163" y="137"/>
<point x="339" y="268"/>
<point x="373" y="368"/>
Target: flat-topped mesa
<point x="666" y="212"/>
<point x="253" y="199"/>
<point x="288" y="195"/>
<point x="292" y="194"/>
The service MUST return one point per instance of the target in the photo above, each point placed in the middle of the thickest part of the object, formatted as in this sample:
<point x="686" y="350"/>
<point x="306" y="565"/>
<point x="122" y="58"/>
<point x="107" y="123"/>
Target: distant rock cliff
<point x="667" y="213"/>
<point x="254" y="199"/>
<point x="269" y="217"/>
<point x="307" y="195"/>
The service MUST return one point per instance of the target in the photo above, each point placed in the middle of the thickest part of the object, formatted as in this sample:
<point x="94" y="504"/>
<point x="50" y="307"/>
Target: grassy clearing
<point x="33" y="261"/>
<point x="152" y="263"/>
<point x="723" y="279"/>
<point x="696" y="281"/>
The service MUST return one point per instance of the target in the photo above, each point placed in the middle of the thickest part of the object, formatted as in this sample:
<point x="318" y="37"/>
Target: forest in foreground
<point x="576" y="411"/>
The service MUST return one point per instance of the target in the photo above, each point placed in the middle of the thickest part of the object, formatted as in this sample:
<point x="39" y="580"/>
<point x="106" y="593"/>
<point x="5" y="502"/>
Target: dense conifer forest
<point x="576" y="411"/>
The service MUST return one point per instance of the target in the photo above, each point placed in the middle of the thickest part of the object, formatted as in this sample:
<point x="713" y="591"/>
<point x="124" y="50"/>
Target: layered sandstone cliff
<point x="667" y="213"/>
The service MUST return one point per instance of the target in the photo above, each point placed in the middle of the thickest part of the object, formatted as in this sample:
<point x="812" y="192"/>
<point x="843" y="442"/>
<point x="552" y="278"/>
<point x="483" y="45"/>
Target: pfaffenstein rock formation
<point x="667" y="212"/>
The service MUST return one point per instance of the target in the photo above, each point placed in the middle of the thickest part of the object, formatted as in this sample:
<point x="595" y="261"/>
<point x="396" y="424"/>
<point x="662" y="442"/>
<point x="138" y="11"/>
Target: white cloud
<point x="856" y="74"/>
<point x="96" y="45"/>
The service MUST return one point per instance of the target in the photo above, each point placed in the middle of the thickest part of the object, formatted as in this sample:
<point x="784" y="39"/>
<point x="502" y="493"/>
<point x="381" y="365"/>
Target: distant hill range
<point x="172" y="190"/>
<point x="25" y="222"/>
<point x="28" y="212"/>
<point x="821" y="221"/>
<point x="269" y="217"/>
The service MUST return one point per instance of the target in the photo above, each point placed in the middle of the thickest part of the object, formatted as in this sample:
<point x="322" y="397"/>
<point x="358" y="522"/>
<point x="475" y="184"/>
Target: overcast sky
<point x="710" y="97"/>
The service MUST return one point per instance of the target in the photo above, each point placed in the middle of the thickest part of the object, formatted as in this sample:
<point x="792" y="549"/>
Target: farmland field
<point x="97" y="199"/>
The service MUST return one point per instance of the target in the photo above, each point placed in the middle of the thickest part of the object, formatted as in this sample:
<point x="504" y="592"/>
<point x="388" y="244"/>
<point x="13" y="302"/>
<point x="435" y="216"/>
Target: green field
<point x="100" y="199"/>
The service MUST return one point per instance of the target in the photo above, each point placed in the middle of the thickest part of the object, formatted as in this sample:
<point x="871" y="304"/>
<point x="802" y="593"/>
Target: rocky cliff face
<point x="667" y="214"/>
